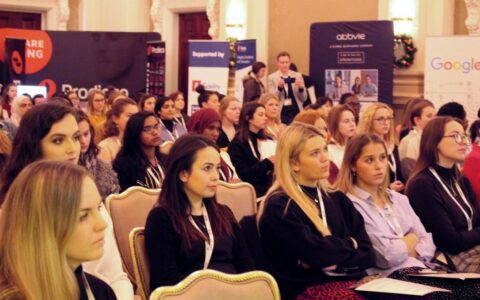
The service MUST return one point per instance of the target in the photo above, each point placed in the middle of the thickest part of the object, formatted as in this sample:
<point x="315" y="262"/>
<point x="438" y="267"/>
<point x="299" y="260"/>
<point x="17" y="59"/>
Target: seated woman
<point x="207" y="99"/>
<point x="179" y="101"/>
<point x="401" y="243"/>
<point x="309" y="233"/>
<point x="147" y="103"/>
<point x="398" y="236"/>
<point x="54" y="248"/>
<point x="170" y="129"/>
<point x="50" y="132"/>
<point x="117" y="119"/>
<point x="20" y="105"/>
<point x="188" y="230"/>
<point x="96" y="108"/>
<point x="139" y="161"/>
<point x="230" y="114"/>
<point x="206" y="122"/>
<point x="378" y="119"/>
<point x="245" y="149"/>
<point x="102" y="172"/>
<point x="442" y="198"/>
<point x="272" y="106"/>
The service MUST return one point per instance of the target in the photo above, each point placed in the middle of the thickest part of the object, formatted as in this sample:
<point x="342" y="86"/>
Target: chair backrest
<point x="239" y="197"/>
<point x="129" y="210"/>
<point x="140" y="261"/>
<point x="214" y="285"/>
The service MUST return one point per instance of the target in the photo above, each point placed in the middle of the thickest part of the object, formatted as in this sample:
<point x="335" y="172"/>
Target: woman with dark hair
<point x="179" y="101"/>
<point x="443" y="199"/>
<point x="147" y="103"/>
<point x="351" y="101"/>
<point x="103" y="174"/>
<point x="357" y="84"/>
<point x="342" y="126"/>
<point x="253" y="87"/>
<point x="208" y="99"/>
<point x="9" y="93"/>
<point x="188" y="230"/>
<point x="245" y="149"/>
<point x="73" y="97"/>
<point x="139" y="161"/>
<point x="471" y="166"/>
<point x="170" y="129"/>
<point x="206" y="122"/>
<point x="230" y="108"/>
<point x="50" y="132"/>
<point x="323" y="104"/>
<point x="114" y="127"/>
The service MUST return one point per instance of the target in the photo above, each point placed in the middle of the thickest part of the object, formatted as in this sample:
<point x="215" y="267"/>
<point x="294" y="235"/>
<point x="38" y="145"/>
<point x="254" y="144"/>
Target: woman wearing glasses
<point x="96" y="108"/>
<point x="442" y="198"/>
<point x="139" y="162"/>
<point x="378" y="119"/>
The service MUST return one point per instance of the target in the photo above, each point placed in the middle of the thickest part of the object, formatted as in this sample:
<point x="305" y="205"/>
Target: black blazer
<point x="249" y="168"/>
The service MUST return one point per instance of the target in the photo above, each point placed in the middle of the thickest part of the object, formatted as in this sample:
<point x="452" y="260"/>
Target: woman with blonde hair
<point x="42" y="258"/>
<point x="378" y="119"/>
<point x="310" y="235"/>
<point x="96" y="107"/>
<point x="272" y="110"/>
<point x="229" y="111"/>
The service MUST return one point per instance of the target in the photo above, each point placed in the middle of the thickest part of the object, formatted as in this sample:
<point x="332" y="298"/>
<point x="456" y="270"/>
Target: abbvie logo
<point x="351" y="36"/>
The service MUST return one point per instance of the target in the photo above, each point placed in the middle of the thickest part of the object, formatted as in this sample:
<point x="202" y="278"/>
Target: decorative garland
<point x="406" y="60"/>
<point x="233" y="52"/>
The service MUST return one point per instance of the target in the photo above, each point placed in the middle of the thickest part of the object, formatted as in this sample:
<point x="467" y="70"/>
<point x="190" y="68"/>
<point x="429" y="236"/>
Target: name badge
<point x="287" y="102"/>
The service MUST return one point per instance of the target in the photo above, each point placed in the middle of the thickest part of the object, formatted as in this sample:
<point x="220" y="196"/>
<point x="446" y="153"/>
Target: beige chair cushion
<point x="239" y="197"/>
<point x="129" y="210"/>
<point x="140" y="261"/>
<point x="214" y="285"/>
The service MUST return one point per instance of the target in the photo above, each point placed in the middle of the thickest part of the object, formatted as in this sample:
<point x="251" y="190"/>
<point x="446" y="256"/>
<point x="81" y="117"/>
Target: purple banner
<point x="353" y="57"/>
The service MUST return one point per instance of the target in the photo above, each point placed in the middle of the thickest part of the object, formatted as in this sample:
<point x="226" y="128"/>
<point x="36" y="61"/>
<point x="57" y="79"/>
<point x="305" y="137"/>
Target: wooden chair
<point x="140" y="261"/>
<point x="239" y="197"/>
<point x="129" y="210"/>
<point x="214" y="285"/>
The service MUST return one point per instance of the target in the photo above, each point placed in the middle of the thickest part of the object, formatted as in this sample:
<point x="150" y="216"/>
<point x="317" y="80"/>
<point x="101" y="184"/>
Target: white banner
<point x="452" y="72"/>
<point x="208" y="65"/>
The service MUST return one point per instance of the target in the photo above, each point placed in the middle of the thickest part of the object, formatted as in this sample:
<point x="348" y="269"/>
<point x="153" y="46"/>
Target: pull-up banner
<point x="246" y="55"/>
<point x="353" y="57"/>
<point x="208" y="65"/>
<point x="74" y="60"/>
<point x="156" y="68"/>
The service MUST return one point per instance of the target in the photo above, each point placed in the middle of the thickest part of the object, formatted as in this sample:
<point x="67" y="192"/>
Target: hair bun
<point x="200" y="89"/>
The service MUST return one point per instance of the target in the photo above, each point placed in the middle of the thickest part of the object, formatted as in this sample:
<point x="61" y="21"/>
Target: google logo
<point x="466" y="66"/>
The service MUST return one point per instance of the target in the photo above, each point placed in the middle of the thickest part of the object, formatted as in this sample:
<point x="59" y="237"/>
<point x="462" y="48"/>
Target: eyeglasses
<point x="99" y="100"/>
<point x="384" y="120"/>
<point x="149" y="128"/>
<point x="461" y="139"/>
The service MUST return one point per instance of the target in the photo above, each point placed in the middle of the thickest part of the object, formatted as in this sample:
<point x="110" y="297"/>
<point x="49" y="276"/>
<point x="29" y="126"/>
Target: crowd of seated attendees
<point x="342" y="193"/>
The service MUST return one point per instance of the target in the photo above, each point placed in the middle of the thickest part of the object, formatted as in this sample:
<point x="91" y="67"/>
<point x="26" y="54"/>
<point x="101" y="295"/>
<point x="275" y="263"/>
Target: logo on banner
<point x="17" y="62"/>
<point x="155" y="50"/>
<point x="351" y="36"/>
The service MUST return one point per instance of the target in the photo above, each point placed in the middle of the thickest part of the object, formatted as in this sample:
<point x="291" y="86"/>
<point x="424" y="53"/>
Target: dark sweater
<point x="223" y="141"/>
<point x="100" y="289"/>
<point x="290" y="238"/>
<point x="131" y="172"/>
<point x="171" y="260"/>
<point x="439" y="213"/>
<point x="398" y="169"/>
<point x="258" y="173"/>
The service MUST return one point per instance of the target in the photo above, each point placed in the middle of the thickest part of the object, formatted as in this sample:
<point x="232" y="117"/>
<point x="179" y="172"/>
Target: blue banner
<point x="246" y="53"/>
<point x="353" y="57"/>
<point x="209" y="54"/>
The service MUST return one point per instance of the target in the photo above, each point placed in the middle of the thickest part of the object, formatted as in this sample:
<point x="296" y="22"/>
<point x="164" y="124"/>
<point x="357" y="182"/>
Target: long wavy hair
<point x="346" y="178"/>
<point x="365" y="125"/>
<point x="289" y="147"/>
<point x="246" y="114"/>
<point x="174" y="198"/>
<point x="38" y="218"/>
<point x="111" y="128"/>
<point x="35" y="125"/>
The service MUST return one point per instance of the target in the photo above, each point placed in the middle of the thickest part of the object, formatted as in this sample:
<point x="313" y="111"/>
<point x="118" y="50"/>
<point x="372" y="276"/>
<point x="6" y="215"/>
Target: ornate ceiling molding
<point x="473" y="17"/>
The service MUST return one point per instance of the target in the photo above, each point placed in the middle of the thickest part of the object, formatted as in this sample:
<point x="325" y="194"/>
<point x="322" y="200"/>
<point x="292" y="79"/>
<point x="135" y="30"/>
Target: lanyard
<point x="392" y="165"/>
<point x="321" y="206"/>
<point x="211" y="240"/>
<point x="227" y="176"/>
<point x="173" y="135"/>
<point x="181" y="120"/>
<point x="90" y="295"/>
<point x="154" y="177"/>
<point x="462" y="195"/>
<point x="390" y="218"/>
<point x="253" y="149"/>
